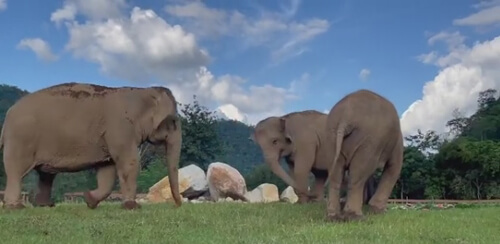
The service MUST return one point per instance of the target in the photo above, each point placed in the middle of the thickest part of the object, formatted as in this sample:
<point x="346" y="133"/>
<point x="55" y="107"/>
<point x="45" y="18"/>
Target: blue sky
<point x="253" y="59"/>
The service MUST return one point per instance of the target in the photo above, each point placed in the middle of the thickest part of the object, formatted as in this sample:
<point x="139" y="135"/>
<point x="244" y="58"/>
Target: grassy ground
<point x="243" y="223"/>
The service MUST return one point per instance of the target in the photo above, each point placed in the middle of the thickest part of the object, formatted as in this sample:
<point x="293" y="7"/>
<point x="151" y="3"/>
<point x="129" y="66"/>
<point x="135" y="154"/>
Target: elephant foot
<point x="131" y="205"/>
<point x="335" y="217"/>
<point x="302" y="200"/>
<point x="342" y="203"/>
<point x="315" y="199"/>
<point x="376" y="210"/>
<point x="90" y="200"/>
<point x="15" y="206"/>
<point x="43" y="202"/>
<point x="49" y="204"/>
<point x="352" y="216"/>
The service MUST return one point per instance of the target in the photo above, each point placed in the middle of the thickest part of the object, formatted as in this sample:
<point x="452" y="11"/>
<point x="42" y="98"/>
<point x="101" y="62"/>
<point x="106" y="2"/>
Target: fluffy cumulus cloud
<point x="286" y="37"/>
<point x="40" y="47"/>
<point x="464" y="72"/>
<point x="138" y="45"/>
<point x="364" y="74"/>
<point x="227" y="92"/>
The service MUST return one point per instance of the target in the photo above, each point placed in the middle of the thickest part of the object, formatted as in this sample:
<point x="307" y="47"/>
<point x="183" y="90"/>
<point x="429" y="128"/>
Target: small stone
<point x="263" y="193"/>
<point x="288" y="195"/>
<point x="192" y="182"/>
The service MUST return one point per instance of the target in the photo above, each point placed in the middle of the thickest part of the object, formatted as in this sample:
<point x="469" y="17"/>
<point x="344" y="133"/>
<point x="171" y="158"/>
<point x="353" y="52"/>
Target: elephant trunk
<point x="276" y="168"/>
<point x="173" y="149"/>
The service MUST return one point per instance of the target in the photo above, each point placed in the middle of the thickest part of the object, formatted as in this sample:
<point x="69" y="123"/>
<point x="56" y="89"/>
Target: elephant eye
<point x="275" y="141"/>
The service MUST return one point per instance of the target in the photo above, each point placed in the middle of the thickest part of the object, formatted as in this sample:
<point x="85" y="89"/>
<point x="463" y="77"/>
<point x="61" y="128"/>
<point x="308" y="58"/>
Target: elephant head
<point x="165" y="129"/>
<point x="273" y="138"/>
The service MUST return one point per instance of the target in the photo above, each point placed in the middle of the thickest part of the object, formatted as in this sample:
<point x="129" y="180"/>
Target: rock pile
<point x="221" y="183"/>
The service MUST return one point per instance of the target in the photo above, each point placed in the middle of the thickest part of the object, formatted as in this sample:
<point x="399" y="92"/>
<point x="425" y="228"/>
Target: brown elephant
<point x="363" y="133"/>
<point x="298" y="137"/>
<point x="76" y="126"/>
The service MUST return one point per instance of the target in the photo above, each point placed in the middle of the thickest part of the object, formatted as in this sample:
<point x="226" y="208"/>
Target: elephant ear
<point x="160" y="120"/>
<point x="286" y="130"/>
<point x="170" y="123"/>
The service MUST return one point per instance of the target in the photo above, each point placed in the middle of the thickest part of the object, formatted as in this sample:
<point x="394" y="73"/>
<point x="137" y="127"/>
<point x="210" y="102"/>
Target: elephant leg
<point x="15" y="170"/>
<point x="127" y="166"/>
<point x="106" y="176"/>
<point x="319" y="185"/>
<point x="333" y="207"/>
<point x="369" y="191"/>
<point x="301" y="169"/>
<point x="390" y="175"/>
<point x="43" y="196"/>
<point x="359" y="172"/>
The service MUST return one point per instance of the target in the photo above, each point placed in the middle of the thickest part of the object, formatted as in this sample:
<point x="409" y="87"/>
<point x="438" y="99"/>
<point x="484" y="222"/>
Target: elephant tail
<point x="337" y="140"/>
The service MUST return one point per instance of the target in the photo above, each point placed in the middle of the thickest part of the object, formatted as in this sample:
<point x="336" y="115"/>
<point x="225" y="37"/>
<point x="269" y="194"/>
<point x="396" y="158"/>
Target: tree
<point x="200" y="143"/>
<point x="424" y="141"/>
<point x="458" y="124"/>
<point x="486" y="98"/>
<point x="418" y="179"/>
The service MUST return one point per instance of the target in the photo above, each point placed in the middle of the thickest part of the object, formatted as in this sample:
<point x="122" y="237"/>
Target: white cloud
<point x="472" y="70"/>
<point x="454" y="45"/>
<point x="454" y="40"/>
<point x="92" y="9"/>
<point x="41" y="48"/>
<point x="489" y="14"/>
<point x="299" y="33"/>
<point x="3" y="5"/>
<point x="228" y="91"/>
<point x="285" y="37"/>
<point x="232" y="112"/>
<point x="143" y="47"/>
<point x="300" y="84"/>
<point x="137" y="47"/>
<point x="428" y="58"/>
<point x="364" y="74"/>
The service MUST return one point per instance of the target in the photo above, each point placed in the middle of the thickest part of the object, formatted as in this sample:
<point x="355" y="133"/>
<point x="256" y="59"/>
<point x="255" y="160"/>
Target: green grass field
<point x="243" y="223"/>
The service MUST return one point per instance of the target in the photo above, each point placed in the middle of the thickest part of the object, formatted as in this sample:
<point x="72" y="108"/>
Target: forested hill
<point x="239" y="151"/>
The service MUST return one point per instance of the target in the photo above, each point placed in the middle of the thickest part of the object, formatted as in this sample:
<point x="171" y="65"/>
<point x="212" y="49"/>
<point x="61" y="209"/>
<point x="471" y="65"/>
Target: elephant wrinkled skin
<point x="76" y="126"/>
<point x="363" y="133"/>
<point x="299" y="138"/>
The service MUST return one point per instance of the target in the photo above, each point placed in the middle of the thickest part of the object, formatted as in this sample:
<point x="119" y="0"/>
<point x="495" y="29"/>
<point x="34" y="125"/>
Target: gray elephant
<point x="363" y="133"/>
<point x="75" y="126"/>
<point x="298" y="137"/>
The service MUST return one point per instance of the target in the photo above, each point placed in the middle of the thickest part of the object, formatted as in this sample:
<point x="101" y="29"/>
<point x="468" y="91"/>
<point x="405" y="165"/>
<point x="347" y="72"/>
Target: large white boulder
<point x="225" y="181"/>
<point x="192" y="183"/>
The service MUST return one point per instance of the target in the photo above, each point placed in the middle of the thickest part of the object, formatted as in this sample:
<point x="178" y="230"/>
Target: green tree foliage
<point x="200" y="143"/>
<point x="155" y="171"/>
